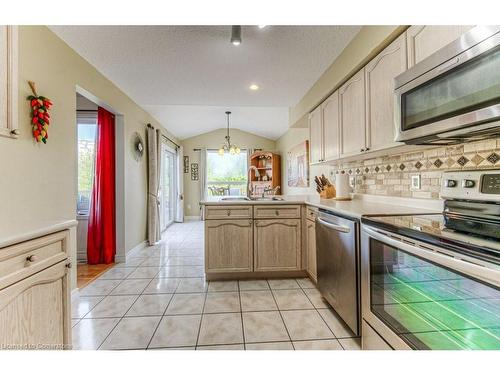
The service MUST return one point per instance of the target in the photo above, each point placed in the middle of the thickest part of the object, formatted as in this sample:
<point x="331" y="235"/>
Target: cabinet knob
<point x="367" y="149"/>
<point x="31" y="258"/>
<point x="362" y="150"/>
<point x="277" y="213"/>
<point x="15" y="132"/>
<point x="228" y="212"/>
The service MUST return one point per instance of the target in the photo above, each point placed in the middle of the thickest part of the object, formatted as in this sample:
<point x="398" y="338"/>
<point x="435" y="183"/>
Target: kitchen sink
<point x="267" y="199"/>
<point x="235" y="199"/>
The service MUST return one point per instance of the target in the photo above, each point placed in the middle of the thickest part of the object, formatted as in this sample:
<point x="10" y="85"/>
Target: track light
<point x="236" y="35"/>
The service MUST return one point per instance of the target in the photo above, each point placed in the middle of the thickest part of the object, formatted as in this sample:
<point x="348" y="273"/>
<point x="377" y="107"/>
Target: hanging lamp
<point x="227" y="146"/>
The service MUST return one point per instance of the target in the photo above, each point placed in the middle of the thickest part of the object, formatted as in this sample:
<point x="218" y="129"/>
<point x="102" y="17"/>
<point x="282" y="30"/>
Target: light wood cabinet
<point x="316" y="136"/>
<point x="331" y="127"/>
<point x="311" y="249"/>
<point x="228" y="212"/>
<point x="352" y="115"/>
<point x="424" y="40"/>
<point x="35" y="294"/>
<point x="379" y="80"/>
<point x="8" y="81"/>
<point x="277" y="245"/>
<point x="228" y="245"/>
<point x="276" y="211"/>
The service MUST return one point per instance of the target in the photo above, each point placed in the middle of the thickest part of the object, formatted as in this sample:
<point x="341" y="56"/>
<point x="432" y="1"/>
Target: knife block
<point x="328" y="192"/>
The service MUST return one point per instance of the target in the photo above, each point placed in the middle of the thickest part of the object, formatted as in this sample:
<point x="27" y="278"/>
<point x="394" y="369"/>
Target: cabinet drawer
<point x="311" y="214"/>
<point x="24" y="259"/>
<point x="228" y="212"/>
<point x="273" y="212"/>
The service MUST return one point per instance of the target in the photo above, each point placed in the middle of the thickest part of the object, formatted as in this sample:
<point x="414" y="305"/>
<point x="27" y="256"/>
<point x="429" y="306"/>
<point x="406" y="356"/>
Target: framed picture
<point x="194" y="172"/>
<point x="186" y="164"/>
<point x="297" y="165"/>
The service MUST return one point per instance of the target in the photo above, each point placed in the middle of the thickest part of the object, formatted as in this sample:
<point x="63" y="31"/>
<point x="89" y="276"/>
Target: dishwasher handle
<point x="338" y="228"/>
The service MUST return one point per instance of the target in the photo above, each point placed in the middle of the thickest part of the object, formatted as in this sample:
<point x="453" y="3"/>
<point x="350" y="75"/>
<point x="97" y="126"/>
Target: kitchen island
<point x="268" y="237"/>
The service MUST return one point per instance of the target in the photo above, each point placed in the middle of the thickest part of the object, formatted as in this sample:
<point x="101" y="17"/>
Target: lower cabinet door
<point x="277" y="245"/>
<point x="311" y="249"/>
<point x="34" y="312"/>
<point x="228" y="245"/>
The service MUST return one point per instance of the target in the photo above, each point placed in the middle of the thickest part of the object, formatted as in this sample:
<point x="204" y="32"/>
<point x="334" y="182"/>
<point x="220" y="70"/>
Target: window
<point x="87" y="130"/>
<point x="227" y="174"/>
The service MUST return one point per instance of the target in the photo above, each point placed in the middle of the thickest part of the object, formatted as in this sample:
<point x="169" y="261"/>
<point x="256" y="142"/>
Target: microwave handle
<point x="448" y="65"/>
<point x="489" y="275"/>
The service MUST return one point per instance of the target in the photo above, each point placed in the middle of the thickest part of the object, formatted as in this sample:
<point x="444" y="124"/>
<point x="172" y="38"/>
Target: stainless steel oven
<point x="419" y="296"/>
<point x="453" y="96"/>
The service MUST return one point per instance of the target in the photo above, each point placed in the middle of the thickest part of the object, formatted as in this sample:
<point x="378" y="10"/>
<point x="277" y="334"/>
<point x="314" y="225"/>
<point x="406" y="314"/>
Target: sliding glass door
<point x="167" y="185"/>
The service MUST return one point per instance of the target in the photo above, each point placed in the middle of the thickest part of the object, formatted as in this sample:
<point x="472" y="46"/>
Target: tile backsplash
<point x="391" y="175"/>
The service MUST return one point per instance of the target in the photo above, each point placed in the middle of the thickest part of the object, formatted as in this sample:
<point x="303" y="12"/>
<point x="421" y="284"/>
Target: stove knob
<point x="450" y="183"/>
<point x="468" y="183"/>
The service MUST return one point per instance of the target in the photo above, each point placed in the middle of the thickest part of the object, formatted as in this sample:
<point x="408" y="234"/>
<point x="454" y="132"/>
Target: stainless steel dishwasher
<point x="337" y="245"/>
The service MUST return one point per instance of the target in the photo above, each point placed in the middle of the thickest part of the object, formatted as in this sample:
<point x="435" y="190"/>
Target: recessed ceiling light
<point x="254" y="87"/>
<point x="262" y="26"/>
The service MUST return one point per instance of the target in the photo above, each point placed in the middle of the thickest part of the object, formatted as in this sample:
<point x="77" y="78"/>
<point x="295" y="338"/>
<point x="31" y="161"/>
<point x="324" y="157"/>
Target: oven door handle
<point x="488" y="275"/>
<point x="338" y="228"/>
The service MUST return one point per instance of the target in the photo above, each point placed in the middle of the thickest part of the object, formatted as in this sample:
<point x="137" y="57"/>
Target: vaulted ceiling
<point x="188" y="76"/>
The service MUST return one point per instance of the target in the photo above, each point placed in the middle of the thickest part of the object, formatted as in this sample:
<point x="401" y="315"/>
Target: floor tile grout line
<point x="159" y="321"/>
<point x="201" y="318"/>
<point x="116" y="325"/>
<point x="241" y="316"/>
<point x="321" y="316"/>
<point x="281" y="315"/>
<point x="324" y="321"/>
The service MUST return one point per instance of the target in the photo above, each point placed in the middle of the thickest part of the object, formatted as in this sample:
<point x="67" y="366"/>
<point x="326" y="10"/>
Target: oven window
<point x="430" y="306"/>
<point x="472" y="85"/>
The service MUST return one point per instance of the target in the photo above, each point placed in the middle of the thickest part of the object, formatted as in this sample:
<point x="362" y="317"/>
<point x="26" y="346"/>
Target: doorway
<point x="168" y="183"/>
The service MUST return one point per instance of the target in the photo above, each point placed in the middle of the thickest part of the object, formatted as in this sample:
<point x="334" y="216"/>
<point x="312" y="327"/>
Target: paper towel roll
<point x="342" y="186"/>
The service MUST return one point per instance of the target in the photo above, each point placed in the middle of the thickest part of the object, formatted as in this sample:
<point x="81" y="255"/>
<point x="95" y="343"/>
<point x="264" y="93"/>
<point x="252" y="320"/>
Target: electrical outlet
<point x="415" y="182"/>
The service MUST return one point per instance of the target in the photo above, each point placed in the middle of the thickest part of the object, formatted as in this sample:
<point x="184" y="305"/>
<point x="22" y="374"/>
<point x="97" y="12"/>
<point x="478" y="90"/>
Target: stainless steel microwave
<point x="453" y="96"/>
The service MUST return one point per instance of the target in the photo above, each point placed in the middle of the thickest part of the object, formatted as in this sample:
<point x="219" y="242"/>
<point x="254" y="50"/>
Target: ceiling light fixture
<point x="236" y="35"/>
<point x="254" y="87"/>
<point x="227" y="146"/>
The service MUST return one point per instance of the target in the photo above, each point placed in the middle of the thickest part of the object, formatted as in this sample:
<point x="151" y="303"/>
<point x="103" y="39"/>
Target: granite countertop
<point x="360" y="205"/>
<point x="13" y="232"/>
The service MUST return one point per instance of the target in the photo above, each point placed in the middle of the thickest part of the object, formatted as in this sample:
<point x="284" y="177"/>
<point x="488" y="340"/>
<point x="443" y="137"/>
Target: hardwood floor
<point x="86" y="273"/>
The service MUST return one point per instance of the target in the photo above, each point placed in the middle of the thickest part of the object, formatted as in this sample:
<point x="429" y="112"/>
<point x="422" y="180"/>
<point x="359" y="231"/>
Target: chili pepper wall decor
<point x="40" y="117"/>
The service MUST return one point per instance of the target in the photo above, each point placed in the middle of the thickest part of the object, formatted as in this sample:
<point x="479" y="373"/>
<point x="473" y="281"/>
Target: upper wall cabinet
<point x="379" y="80"/>
<point x="331" y="127"/>
<point x="316" y="135"/>
<point x="8" y="81"/>
<point x="352" y="115"/>
<point x="424" y="40"/>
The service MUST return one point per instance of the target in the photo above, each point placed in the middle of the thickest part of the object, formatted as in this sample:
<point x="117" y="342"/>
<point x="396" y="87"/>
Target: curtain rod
<point x="215" y="149"/>
<point x="167" y="138"/>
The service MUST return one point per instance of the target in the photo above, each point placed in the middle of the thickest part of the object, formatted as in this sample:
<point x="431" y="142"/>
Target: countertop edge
<point x="37" y="232"/>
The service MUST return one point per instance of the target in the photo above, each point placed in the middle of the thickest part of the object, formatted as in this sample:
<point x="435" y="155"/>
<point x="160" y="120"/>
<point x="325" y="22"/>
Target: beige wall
<point x="38" y="182"/>
<point x="365" y="45"/>
<point x="291" y="138"/>
<point x="213" y="140"/>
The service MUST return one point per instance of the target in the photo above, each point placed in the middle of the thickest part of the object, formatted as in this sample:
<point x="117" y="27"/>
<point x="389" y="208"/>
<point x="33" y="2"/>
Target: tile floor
<point x="159" y="299"/>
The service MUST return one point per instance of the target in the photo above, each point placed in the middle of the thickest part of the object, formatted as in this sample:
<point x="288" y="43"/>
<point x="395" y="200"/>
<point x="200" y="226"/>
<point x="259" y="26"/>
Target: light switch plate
<point x="415" y="182"/>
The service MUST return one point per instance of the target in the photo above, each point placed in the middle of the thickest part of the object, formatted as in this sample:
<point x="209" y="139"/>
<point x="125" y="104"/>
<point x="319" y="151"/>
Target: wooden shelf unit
<point x="268" y="164"/>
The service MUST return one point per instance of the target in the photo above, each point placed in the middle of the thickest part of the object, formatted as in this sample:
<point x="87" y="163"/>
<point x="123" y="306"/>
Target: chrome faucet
<point x="273" y="190"/>
<point x="249" y="185"/>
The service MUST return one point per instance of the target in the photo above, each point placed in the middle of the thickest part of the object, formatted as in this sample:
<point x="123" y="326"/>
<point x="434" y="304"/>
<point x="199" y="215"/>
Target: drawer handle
<point x="228" y="212"/>
<point x="31" y="258"/>
<point x="277" y="213"/>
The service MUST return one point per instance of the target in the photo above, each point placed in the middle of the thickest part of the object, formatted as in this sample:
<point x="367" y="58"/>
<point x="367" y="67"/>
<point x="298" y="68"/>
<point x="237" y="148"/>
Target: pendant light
<point x="236" y="35"/>
<point x="227" y="146"/>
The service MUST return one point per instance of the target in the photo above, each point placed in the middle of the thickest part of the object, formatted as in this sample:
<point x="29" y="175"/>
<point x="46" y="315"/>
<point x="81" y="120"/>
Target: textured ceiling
<point x="166" y="68"/>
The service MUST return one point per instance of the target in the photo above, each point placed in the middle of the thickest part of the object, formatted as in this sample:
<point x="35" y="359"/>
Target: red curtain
<point x="101" y="238"/>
